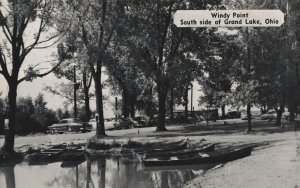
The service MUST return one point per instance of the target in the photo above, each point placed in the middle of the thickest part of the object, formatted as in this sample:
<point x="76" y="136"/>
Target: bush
<point x="98" y="144"/>
<point x="134" y="144"/>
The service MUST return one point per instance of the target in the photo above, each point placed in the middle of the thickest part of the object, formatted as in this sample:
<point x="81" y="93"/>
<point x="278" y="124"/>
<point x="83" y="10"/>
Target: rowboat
<point x="205" y="158"/>
<point x="57" y="153"/>
<point x="45" y="157"/>
<point x="182" y="145"/>
<point x="181" y="152"/>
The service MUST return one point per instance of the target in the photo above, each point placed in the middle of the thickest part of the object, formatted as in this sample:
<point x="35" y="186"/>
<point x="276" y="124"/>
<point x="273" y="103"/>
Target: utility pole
<point x="192" y="98"/>
<point x="75" y="88"/>
<point x="116" y="106"/>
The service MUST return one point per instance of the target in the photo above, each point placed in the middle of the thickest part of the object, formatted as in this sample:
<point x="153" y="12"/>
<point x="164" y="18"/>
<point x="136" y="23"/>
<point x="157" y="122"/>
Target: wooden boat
<point x="45" y="157"/>
<point x="209" y="157"/>
<point x="181" y="152"/>
<point x="182" y="145"/>
<point x="55" y="154"/>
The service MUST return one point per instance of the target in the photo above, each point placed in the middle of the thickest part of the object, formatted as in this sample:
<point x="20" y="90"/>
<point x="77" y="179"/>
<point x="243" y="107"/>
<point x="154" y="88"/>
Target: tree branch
<point x="3" y="66"/>
<point x="30" y="47"/>
<point x="109" y="37"/>
<point x="42" y="47"/>
<point x="5" y="26"/>
<point x="28" y="77"/>
<point x="6" y="34"/>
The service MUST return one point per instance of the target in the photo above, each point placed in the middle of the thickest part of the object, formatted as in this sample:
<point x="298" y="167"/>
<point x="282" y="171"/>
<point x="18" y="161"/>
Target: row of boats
<point x="69" y="156"/>
<point x="181" y="155"/>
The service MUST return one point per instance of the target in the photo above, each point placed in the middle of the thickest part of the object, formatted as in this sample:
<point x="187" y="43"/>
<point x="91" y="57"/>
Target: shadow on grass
<point x="258" y="128"/>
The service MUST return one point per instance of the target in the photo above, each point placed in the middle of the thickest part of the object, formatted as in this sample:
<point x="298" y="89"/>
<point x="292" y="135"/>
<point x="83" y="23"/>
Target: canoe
<point x="209" y="157"/>
<point x="189" y="151"/>
<point x="182" y="145"/>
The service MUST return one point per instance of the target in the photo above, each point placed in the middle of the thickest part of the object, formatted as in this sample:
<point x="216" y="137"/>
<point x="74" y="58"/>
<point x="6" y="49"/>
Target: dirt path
<point x="275" y="166"/>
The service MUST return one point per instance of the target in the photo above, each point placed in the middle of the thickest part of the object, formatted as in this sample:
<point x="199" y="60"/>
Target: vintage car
<point x="142" y="121"/>
<point x="272" y="115"/>
<point x="269" y="115"/>
<point x="233" y="115"/>
<point x="69" y="125"/>
<point x="124" y="123"/>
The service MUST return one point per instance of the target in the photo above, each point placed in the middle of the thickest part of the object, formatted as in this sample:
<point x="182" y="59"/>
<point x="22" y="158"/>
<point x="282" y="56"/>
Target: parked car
<point x="108" y="123"/>
<point x="124" y="123"/>
<point x="142" y="121"/>
<point x="233" y="115"/>
<point x="273" y="115"/>
<point x="180" y="118"/>
<point x="69" y="125"/>
<point x="269" y="115"/>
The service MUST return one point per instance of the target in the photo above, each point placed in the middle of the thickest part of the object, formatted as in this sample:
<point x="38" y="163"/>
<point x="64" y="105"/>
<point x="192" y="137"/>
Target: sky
<point x="41" y="58"/>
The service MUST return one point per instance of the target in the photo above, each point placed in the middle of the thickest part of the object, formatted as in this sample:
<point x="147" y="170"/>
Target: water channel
<point x="100" y="173"/>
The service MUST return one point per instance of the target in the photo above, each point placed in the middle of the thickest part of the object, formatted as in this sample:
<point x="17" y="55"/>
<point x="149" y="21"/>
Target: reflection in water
<point x="9" y="172"/>
<point x="101" y="173"/>
<point x="88" y="174"/>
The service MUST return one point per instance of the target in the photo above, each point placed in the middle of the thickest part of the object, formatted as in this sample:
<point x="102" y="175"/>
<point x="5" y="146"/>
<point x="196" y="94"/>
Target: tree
<point x="82" y="85"/>
<point x="97" y="22"/>
<point x="216" y="79"/>
<point x="14" y="48"/>
<point x="158" y="42"/>
<point x="125" y="78"/>
<point x="40" y="104"/>
<point x="248" y="76"/>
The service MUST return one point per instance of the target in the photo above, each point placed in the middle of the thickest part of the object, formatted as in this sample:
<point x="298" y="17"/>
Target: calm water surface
<point x="108" y="173"/>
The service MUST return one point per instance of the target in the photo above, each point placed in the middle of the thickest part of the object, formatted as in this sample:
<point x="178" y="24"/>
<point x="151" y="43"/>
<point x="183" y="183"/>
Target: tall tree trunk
<point x="12" y="107"/>
<point x="133" y="99"/>
<point x="87" y="106"/>
<point x="292" y="102"/>
<point x="162" y="96"/>
<point x="279" y="114"/>
<point x="86" y="98"/>
<point x="171" y="106"/>
<point x="223" y="111"/>
<point x="249" y="117"/>
<point x="125" y="106"/>
<point x="100" y="131"/>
